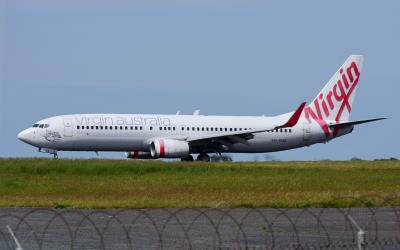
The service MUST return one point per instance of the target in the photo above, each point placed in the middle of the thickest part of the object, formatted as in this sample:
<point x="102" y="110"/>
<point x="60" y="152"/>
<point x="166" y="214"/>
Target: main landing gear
<point x="201" y="157"/>
<point x="187" y="158"/>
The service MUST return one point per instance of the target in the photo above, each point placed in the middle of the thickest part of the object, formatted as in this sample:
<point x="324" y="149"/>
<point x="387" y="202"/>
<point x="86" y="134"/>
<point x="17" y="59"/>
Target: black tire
<point x="187" y="158"/>
<point x="203" y="157"/>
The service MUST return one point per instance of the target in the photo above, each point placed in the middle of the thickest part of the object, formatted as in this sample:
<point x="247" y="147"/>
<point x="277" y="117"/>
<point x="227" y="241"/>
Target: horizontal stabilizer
<point x="347" y="124"/>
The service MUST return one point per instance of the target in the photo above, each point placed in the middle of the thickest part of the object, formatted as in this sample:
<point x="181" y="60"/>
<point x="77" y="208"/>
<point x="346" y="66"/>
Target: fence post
<point x="360" y="239"/>
<point x="360" y="234"/>
<point x="17" y="243"/>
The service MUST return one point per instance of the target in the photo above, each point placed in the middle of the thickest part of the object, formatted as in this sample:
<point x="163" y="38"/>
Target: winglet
<point x="294" y="118"/>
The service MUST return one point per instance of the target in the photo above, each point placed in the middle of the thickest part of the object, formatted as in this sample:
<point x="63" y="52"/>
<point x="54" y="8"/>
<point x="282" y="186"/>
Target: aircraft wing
<point x="347" y="124"/>
<point x="229" y="138"/>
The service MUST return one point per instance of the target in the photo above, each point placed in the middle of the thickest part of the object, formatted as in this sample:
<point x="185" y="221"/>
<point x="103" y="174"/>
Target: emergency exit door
<point x="68" y="129"/>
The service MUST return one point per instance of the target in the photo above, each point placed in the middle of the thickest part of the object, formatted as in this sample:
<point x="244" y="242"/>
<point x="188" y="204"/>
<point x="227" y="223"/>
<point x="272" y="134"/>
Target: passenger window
<point x="173" y="128"/>
<point x="198" y="129"/>
<point x="230" y="129"/>
<point x="160" y="128"/>
<point x="131" y="127"/>
<point x="101" y="127"/>
<point x="91" y="127"/>
<point x="202" y="129"/>
<point x="285" y="130"/>
<point x="235" y="129"/>
<point x="220" y="129"/>
<point x="183" y="128"/>
<point x="188" y="129"/>
<point x="77" y="127"/>
<point x="87" y="127"/>
<point x="169" y="128"/>
<point x="116" y="127"/>
<point x="35" y="125"/>
<point x="151" y="128"/>
<point x="240" y="129"/>
<point x="193" y="128"/>
<point x="110" y="127"/>
<point x="97" y="127"/>
<point x="212" y="129"/>
<point x="141" y="128"/>
<point x="105" y="127"/>
<point x="126" y="128"/>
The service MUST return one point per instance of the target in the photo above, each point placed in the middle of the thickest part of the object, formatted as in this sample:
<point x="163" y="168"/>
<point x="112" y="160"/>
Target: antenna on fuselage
<point x="178" y="112"/>
<point x="196" y="112"/>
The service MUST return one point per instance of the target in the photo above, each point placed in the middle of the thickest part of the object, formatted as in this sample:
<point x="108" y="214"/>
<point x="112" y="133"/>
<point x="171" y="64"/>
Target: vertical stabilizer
<point x="334" y="102"/>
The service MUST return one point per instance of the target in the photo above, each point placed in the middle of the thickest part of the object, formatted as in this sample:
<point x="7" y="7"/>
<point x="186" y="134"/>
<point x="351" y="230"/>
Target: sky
<point x="236" y="57"/>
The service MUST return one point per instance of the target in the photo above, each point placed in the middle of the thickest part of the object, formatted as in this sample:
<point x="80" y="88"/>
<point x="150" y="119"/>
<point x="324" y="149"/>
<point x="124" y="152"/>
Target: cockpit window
<point x="41" y="125"/>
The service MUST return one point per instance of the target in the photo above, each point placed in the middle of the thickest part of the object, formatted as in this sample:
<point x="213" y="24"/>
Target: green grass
<point x="145" y="184"/>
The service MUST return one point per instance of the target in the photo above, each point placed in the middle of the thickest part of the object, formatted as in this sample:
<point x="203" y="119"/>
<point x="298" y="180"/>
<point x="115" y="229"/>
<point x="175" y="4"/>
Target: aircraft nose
<point x="24" y="136"/>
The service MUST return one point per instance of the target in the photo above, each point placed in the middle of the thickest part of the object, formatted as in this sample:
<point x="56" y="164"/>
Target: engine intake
<point x="169" y="148"/>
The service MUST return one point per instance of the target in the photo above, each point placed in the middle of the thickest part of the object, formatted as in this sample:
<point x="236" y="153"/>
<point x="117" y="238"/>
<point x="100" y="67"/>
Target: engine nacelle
<point x="169" y="148"/>
<point x="138" y="155"/>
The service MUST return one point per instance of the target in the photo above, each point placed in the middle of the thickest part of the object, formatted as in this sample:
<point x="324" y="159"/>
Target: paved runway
<point x="198" y="228"/>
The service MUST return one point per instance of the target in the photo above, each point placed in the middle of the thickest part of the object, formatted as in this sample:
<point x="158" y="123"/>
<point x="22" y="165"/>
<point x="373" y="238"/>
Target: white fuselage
<point x="124" y="132"/>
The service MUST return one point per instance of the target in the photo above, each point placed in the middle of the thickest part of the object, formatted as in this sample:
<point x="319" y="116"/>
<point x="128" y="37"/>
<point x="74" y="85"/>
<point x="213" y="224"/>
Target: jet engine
<point x="169" y="148"/>
<point x="138" y="155"/>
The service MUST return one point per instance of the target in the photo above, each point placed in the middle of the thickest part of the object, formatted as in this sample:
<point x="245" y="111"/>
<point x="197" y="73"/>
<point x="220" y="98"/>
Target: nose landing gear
<point x="49" y="151"/>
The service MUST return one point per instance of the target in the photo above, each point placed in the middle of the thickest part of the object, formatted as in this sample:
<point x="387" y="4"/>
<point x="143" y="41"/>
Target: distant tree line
<point x="378" y="159"/>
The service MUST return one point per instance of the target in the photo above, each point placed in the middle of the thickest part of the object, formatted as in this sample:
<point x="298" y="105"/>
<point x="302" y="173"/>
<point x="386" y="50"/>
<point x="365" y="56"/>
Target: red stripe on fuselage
<point x="162" y="148"/>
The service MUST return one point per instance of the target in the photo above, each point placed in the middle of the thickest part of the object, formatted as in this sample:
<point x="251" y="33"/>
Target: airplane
<point x="154" y="136"/>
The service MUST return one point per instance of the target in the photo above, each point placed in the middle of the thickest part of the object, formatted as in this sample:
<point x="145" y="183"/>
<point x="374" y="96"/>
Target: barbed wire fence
<point x="363" y="227"/>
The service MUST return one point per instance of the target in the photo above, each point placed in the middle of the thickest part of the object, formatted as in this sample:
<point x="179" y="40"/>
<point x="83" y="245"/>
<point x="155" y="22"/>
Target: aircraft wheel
<point x="187" y="158"/>
<point x="203" y="157"/>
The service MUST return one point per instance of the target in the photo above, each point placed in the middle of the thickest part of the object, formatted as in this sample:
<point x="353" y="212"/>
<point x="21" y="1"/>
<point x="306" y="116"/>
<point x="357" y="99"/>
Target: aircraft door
<point x="68" y="129"/>
<point x="307" y="131"/>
